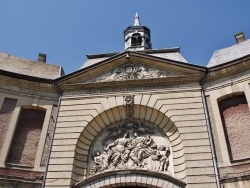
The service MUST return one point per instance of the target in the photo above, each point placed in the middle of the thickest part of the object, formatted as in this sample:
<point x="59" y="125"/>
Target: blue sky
<point x="69" y="30"/>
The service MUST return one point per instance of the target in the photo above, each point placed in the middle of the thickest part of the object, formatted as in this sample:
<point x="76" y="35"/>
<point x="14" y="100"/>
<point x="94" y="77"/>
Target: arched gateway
<point x="134" y="150"/>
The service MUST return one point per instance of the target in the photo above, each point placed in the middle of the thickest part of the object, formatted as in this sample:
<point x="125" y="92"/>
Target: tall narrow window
<point x="6" y="112"/>
<point x="235" y="116"/>
<point x="26" y="138"/>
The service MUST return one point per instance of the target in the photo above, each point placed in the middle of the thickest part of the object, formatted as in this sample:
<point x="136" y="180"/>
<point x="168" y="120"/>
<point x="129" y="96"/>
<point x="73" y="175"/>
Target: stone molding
<point x="126" y="178"/>
<point x="23" y="175"/>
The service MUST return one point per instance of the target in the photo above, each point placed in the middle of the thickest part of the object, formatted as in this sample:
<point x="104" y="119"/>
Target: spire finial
<point x="137" y="21"/>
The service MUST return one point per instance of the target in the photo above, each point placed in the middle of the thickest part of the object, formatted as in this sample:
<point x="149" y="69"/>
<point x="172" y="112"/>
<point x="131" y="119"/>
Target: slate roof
<point x="90" y="62"/>
<point x="176" y="56"/>
<point x="170" y="54"/>
<point x="231" y="53"/>
<point x="28" y="67"/>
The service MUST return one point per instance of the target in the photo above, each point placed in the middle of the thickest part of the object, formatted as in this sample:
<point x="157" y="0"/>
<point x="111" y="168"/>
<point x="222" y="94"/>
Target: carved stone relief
<point x="129" y="105"/>
<point x="131" y="145"/>
<point x="132" y="71"/>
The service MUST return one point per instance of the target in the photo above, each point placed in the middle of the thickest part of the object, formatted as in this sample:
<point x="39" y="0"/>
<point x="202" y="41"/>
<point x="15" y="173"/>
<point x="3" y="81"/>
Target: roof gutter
<point x="216" y="171"/>
<point x="52" y="138"/>
<point x="25" y="77"/>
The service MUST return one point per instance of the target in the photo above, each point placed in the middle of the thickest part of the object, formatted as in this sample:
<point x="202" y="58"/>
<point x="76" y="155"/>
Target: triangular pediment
<point x="129" y="67"/>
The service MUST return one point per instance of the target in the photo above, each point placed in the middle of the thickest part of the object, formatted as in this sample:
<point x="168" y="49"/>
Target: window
<point x="136" y="39"/>
<point x="235" y="117"/>
<point x="26" y="138"/>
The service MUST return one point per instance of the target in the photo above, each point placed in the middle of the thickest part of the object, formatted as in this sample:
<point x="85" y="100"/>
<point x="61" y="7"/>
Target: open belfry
<point x="143" y="117"/>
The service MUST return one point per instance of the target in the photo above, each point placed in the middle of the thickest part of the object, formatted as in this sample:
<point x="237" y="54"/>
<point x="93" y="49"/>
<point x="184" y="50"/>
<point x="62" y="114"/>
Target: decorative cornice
<point x="135" y="172"/>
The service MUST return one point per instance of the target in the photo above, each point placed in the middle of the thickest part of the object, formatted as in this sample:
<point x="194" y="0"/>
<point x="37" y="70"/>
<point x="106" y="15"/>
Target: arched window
<point x="235" y="117"/>
<point x="136" y="39"/>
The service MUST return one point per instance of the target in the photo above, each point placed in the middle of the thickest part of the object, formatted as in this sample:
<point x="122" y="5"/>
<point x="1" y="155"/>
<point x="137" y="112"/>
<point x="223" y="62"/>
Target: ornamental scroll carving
<point x="129" y="105"/>
<point x="131" y="71"/>
<point x="131" y="145"/>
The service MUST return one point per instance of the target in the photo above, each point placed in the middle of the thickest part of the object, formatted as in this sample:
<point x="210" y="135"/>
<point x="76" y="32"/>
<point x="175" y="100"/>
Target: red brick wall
<point x="49" y="136"/>
<point x="6" y="173"/>
<point x="5" y="117"/>
<point x="235" y="116"/>
<point x="26" y="138"/>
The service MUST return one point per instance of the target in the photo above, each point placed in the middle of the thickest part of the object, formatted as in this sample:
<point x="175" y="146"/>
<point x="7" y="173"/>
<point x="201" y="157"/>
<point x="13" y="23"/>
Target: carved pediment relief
<point x="132" y="71"/>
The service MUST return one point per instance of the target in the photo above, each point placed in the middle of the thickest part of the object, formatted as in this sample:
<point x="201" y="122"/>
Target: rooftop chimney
<point x="239" y="37"/>
<point x="42" y="57"/>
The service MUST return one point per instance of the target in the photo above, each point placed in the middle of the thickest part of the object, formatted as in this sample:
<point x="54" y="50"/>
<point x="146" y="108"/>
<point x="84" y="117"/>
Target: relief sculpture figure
<point x="97" y="164"/>
<point x="163" y="154"/>
<point x="118" y="147"/>
<point x="137" y="144"/>
<point x="141" y="149"/>
<point x="137" y="152"/>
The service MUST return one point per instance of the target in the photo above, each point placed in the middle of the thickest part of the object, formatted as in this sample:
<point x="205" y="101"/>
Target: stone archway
<point x="132" y="179"/>
<point x="116" y="114"/>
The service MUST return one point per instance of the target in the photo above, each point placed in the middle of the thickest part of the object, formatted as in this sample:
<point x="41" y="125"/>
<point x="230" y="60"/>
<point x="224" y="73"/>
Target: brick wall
<point x="5" y="117"/>
<point x="235" y="116"/>
<point x="21" y="174"/>
<point x="26" y="138"/>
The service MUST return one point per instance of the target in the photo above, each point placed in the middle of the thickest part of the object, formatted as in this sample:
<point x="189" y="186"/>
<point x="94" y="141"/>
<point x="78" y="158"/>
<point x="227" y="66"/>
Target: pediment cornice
<point x="131" y="68"/>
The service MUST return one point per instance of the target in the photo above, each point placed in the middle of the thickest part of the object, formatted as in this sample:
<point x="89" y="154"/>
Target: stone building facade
<point x="28" y="112"/>
<point x="139" y="118"/>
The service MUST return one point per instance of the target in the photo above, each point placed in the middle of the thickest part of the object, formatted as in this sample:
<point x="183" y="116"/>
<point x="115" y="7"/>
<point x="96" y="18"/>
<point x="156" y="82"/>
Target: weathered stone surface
<point x="132" y="153"/>
<point x="132" y="71"/>
<point x="49" y="136"/>
<point x="5" y="117"/>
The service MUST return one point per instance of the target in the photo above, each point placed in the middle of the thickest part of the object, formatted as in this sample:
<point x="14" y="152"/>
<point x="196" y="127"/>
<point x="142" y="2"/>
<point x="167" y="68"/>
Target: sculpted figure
<point x="149" y="148"/>
<point x="142" y="148"/>
<point x="97" y="167"/>
<point x="136" y="146"/>
<point x="106" y="156"/>
<point x="140" y="152"/>
<point x="143" y="72"/>
<point x="118" y="147"/>
<point x="129" y="100"/>
<point x="163" y="154"/>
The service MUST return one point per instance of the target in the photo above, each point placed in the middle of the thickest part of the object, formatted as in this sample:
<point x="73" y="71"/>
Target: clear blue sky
<point x="67" y="30"/>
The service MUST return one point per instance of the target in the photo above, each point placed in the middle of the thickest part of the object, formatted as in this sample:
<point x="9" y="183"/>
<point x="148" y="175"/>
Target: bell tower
<point x="137" y="37"/>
